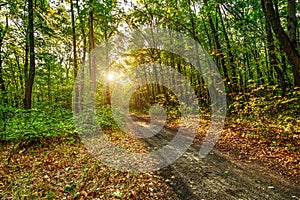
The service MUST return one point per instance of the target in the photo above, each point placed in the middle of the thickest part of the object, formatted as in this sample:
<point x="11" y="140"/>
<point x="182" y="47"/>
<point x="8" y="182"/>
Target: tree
<point x="30" y="77"/>
<point x="3" y="32"/>
<point x="74" y="53"/>
<point x="92" y="64"/>
<point x="286" y="42"/>
<point x="271" y="50"/>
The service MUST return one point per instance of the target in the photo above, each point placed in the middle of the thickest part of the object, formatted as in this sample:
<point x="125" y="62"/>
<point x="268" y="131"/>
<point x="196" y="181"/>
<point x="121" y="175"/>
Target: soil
<point x="237" y="168"/>
<point x="220" y="175"/>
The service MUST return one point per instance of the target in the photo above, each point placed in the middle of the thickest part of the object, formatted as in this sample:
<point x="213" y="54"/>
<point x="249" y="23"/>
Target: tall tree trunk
<point x="229" y="50"/>
<point x="92" y="63"/>
<point x="3" y="115"/>
<point x="74" y="40"/>
<point x="108" y="95"/>
<point x="292" y="22"/>
<point x="2" y="82"/>
<point x="272" y="55"/>
<point x="82" y="31"/>
<point x="284" y="40"/>
<point x="76" y="98"/>
<point x="198" y="84"/>
<point x="84" y="49"/>
<point x="220" y="53"/>
<point x="29" y="85"/>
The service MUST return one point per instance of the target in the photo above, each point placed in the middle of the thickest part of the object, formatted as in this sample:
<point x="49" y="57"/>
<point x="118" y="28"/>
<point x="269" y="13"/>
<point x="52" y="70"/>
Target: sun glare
<point x="110" y="77"/>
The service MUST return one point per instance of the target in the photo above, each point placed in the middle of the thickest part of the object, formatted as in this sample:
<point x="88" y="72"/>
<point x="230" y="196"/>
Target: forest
<point x="117" y="99"/>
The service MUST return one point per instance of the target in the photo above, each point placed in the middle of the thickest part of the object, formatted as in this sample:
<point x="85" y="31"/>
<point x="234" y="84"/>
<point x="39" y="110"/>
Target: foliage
<point x="36" y="124"/>
<point x="108" y="120"/>
<point x="69" y="171"/>
<point x="259" y="105"/>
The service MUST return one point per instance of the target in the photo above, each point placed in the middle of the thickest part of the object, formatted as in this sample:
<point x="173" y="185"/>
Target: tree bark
<point x="76" y="98"/>
<point x="108" y="95"/>
<point x="74" y="40"/>
<point x="84" y="49"/>
<point x="2" y="82"/>
<point x="220" y="53"/>
<point x="30" y="81"/>
<point x="292" y="22"/>
<point x="271" y="51"/>
<point x="92" y="45"/>
<point x="230" y="54"/>
<point x="284" y="40"/>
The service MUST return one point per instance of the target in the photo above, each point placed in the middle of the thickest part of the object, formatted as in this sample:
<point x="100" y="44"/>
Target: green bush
<point x="36" y="124"/>
<point x="253" y="106"/>
<point x="107" y="120"/>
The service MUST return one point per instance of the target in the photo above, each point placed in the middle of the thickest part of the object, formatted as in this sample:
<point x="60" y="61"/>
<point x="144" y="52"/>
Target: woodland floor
<point x="241" y="166"/>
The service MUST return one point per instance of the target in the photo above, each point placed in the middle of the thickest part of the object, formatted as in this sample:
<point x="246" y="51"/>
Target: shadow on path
<point x="216" y="177"/>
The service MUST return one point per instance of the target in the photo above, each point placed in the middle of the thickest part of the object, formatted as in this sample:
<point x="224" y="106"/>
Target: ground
<point x="235" y="169"/>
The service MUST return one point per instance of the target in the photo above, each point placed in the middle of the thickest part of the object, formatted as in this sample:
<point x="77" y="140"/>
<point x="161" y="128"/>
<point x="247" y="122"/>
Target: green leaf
<point x="69" y="188"/>
<point x="118" y="194"/>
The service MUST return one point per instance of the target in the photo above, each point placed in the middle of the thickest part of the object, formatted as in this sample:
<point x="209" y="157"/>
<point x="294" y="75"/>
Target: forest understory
<point x="243" y="165"/>
<point x="71" y="70"/>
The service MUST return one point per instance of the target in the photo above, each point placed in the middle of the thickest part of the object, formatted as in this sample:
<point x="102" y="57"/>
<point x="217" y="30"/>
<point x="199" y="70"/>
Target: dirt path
<point x="65" y="169"/>
<point x="216" y="177"/>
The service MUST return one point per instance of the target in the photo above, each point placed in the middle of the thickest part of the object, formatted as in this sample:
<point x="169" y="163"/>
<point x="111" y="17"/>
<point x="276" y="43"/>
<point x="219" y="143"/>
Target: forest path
<point x="216" y="176"/>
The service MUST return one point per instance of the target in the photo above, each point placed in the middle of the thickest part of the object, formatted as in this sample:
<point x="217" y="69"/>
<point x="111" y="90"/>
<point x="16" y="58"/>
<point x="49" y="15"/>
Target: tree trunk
<point x="220" y="53"/>
<point x="2" y="82"/>
<point x="82" y="32"/>
<point x="74" y="40"/>
<point x="84" y="49"/>
<point x="284" y="40"/>
<point x="92" y="45"/>
<point x="108" y="95"/>
<point x="272" y="55"/>
<point x="230" y="54"/>
<point x="292" y="22"/>
<point x="76" y="98"/>
<point x="29" y="85"/>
